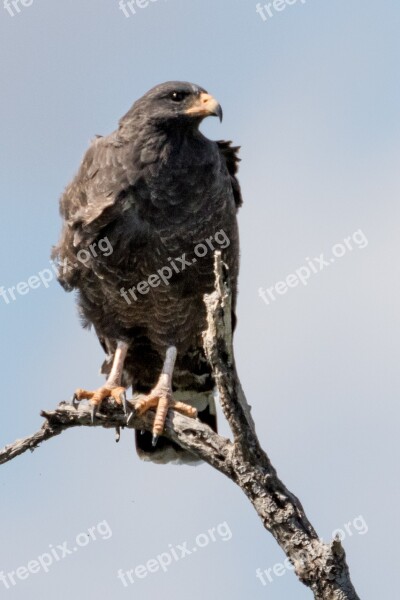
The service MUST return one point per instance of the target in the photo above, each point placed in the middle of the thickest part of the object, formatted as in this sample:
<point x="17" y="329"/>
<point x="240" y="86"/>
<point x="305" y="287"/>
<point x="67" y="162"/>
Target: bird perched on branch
<point x="164" y="198"/>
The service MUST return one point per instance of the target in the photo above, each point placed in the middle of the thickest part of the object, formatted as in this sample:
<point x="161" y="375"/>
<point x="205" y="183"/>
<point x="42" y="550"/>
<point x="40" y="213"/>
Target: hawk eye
<point x="178" y="96"/>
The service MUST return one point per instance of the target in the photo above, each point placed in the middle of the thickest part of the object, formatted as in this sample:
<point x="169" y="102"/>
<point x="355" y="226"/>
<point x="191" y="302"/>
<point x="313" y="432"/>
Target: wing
<point x="97" y="196"/>
<point x="230" y="155"/>
<point x="97" y="192"/>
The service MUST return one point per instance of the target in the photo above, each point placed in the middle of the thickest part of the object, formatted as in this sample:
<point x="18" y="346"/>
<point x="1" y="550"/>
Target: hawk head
<point x="174" y="103"/>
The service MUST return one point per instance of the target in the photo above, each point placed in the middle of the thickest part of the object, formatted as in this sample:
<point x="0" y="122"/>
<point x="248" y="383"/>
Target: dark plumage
<point x="155" y="188"/>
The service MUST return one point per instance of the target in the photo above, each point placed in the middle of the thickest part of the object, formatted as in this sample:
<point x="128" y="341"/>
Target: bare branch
<point x="189" y="433"/>
<point x="218" y="346"/>
<point x="322" y="567"/>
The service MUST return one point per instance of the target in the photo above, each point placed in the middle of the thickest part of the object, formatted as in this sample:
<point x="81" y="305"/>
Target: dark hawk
<point x="162" y="198"/>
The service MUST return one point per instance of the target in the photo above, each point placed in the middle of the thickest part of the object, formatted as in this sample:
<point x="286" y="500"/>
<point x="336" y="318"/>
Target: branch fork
<point x="322" y="567"/>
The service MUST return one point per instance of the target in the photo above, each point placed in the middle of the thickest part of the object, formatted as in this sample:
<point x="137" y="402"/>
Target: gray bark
<point x="322" y="567"/>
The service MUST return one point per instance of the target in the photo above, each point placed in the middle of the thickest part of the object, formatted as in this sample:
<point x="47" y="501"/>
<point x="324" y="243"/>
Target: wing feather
<point x="230" y="154"/>
<point x="97" y="196"/>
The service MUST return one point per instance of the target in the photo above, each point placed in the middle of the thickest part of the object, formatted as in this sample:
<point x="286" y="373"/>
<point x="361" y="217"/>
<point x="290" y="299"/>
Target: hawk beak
<point x="204" y="106"/>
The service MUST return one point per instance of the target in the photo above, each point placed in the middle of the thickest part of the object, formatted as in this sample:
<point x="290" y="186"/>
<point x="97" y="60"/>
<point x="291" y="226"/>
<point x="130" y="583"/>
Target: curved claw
<point x="92" y="412"/>
<point x="74" y="400"/>
<point x="154" y="441"/>
<point x="117" y="434"/>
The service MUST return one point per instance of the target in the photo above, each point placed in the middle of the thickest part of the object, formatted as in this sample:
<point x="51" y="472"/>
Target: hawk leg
<point x="111" y="389"/>
<point x="161" y="398"/>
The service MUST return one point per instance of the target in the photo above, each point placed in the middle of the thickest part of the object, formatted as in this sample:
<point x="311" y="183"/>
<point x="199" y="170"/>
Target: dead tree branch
<point x="322" y="567"/>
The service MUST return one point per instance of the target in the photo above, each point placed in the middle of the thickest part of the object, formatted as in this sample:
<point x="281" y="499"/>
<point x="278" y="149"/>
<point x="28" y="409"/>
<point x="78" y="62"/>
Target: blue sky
<point x="312" y="96"/>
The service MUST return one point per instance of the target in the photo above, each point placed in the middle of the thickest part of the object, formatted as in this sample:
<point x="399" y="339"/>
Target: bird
<point x="162" y="198"/>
